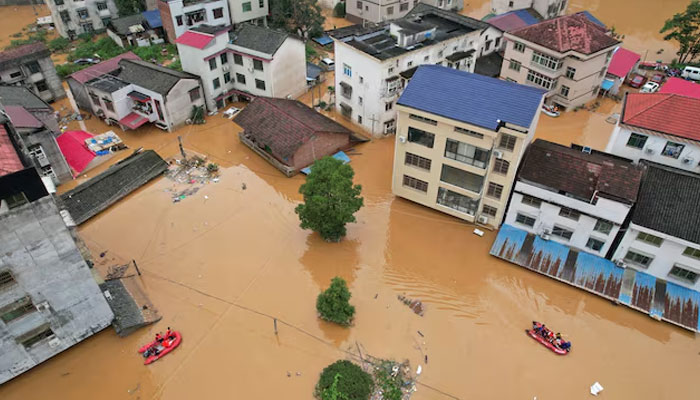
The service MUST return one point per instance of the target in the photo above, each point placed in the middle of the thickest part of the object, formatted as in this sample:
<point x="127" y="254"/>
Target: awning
<point x="607" y="84"/>
<point x="140" y="97"/>
<point x="408" y="74"/>
<point x="460" y="55"/>
<point x="133" y="121"/>
<point x="338" y="156"/>
<point x="323" y="40"/>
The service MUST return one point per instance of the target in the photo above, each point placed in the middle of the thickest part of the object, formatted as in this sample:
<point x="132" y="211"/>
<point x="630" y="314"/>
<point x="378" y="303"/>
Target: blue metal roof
<point x="526" y="17"/>
<point x="592" y="18"/>
<point x="323" y="40"/>
<point x="471" y="98"/>
<point x="607" y="84"/>
<point x="153" y="18"/>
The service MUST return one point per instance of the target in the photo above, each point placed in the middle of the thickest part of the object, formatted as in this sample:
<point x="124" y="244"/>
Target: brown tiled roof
<point x="28" y="51"/>
<point x="284" y="125"/>
<point x="580" y="174"/>
<point x="568" y="33"/>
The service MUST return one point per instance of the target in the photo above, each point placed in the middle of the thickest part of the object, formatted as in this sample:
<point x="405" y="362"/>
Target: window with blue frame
<point x="347" y="70"/>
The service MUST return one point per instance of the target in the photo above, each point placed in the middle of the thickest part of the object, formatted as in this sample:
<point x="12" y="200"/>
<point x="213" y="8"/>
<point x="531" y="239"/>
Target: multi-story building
<point x="546" y="8"/>
<point x="253" y="11"/>
<point x="567" y="56"/>
<point x="663" y="238"/>
<point x="372" y="64"/>
<point x="376" y="11"/>
<point x="177" y="16"/>
<point x="49" y="300"/>
<point x="30" y="66"/>
<point x="460" y="139"/>
<point x="575" y="196"/>
<point x="71" y="18"/>
<point x="78" y="80"/>
<point x="143" y="29"/>
<point x="246" y="62"/>
<point x="659" y="127"/>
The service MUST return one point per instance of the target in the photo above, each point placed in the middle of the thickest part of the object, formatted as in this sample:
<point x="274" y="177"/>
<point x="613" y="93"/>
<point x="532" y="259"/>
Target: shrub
<point x="311" y="53"/>
<point x="197" y="114"/>
<point x="59" y="44"/>
<point x="344" y="380"/>
<point x="64" y="70"/>
<point x="212" y="167"/>
<point x="176" y="65"/>
<point x="339" y="10"/>
<point x="333" y="304"/>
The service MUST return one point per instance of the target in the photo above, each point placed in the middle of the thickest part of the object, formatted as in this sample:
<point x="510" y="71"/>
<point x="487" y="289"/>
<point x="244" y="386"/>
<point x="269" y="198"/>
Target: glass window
<point x="457" y="201"/>
<point x="218" y="12"/>
<point x="108" y="104"/>
<point x="494" y="190"/>
<point x="531" y="201"/>
<point x="692" y="252"/>
<point x="651" y="239"/>
<point x="421" y="137"/>
<point x="17" y="309"/>
<point x="415" y="183"/>
<point x="240" y="78"/>
<point x="541" y="80"/>
<point x="570" y="213"/>
<point x="33" y="67"/>
<point x="467" y="153"/>
<point x="390" y="10"/>
<point x="517" y="46"/>
<point x="212" y="64"/>
<point x="261" y="3"/>
<point x="422" y="119"/>
<point x="45" y="333"/>
<point x="417" y="161"/>
<point x="247" y="6"/>
<point x="178" y="20"/>
<point x="507" y="142"/>
<point x="595" y="244"/>
<point x="501" y="166"/>
<point x="564" y="91"/>
<point x="347" y="70"/>
<point x="636" y="140"/>
<point x="525" y="220"/>
<point x="217" y="83"/>
<point x="257" y="65"/>
<point x="36" y="150"/>
<point x="238" y="59"/>
<point x="488" y="210"/>
<point x="224" y="58"/>
<point x="359" y="5"/>
<point x="546" y="61"/>
<point x="403" y="6"/>
<point x="227" y="77"/>
<point x="672" y="149"/>
<point x="683" y="274"/>
<point x="469" y="132"/>
<point x="570" y="72"/>
<point x="83" y="13"/>
<point x="562" y="232"/>
<point x="58" y="2"/>
<point x="194" y="94"/>
<point x="41" y="86"/>
<point x="465" y="180"/>
<point x="514" y="65"/>
<point x="260" y="84"/>
<point x="603" y="226"/>
<point x="65" y="17"/>
<point x="6" y="279"/>
<point x="633" y="257"/>
<point x="101" y="6"/>
<point x="388" y="106"/>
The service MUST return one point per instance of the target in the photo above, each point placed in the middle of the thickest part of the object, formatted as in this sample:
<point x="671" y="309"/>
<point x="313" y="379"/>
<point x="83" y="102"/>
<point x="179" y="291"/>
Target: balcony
<point x="195" y="17"/>
<point x="104" y="13"/>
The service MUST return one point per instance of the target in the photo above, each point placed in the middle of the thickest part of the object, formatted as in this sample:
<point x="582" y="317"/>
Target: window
<point x="603" y="226"/>
<point x="403" y="6"/>
<point x="541" y="80"/>
<point x="564" y="91"/>
<point x="83" y="13"/>
<point x="531" y="201"/>
<point x="517" y="46"/>
<point x="525" y="220"/>
<point x="106" y="21"/>
<point x="440" y="54"/>
<point x="58" y="2"/>
<point x="570" y="72"/>
<point x="570" y="213"/>
<point x="261" y="3"/>
<point x="488" y="45"/>
<point x="45" y="333"/>
<point x="359" y="119"/>
<point x="257" y="65"/>
<point x="224" y="58"/>
<point x="501" y="167"/>
<point x="546" y="61"/>
<point x="212" y="64"/>
<point x="6" y="279"/>
<point x="692" y="252"/>
<point x="35" y="150"/>
<point x="507" y="142"/>
<point x="469" y="132"/>
<point x="16" y="200"/>
<point x="650" y="239"/>
<point x="101" y="6"/>
<point x="514" y="65"/>
<point x="510" y="4"/>
<point x="417" y="161"/>
<point x="388" y="106"/>
<point x="421" y="137"/>
<point x="260" y="84"/>
<point x="95" y="99"/>
<point x="488" y="210"/>
<point x="638" y="259"/>
<point x="466" y="153"/>
<point x="359" y="100"/>
<point x="362" y="80"/>
<point x="15" y="74"/>
<point x="216" y="83"/>
<point x="178" y="20"/>
<point x="247" y="6"/>
<point x="672" y="150"/>
<point x="498" y="42"/>
<point x="415" y="183"/>
<point x="65" y="17"/>
<point x="390" y="70"/>
<point x="87" y="27"/>
<point x="683" y="274"/>
<point x="495" y="190"/>
<point x="240" y="78"/>
<point x="17" y="309"/>
<point x="227" y="77"/>
<point x="562" y="232"/>
<point x="194" y="94"/>
<point x="422" y="119"/>
<point x="41" y="86"/>
<point x="390" y="10"/>
<point x="456" y="201"/>
<point x="238" y="59"/>
<point x="359" y="5"/>
<point x="33" y="67"/>
<point x="347" y="70"/>
<point x="409" y="64"/>
<point x="218" y="12"/>
<point x="594" y="244"/>
<point x="108" y="104"/>
<point x="465" y="180"/>
<point x="637" y="141"/>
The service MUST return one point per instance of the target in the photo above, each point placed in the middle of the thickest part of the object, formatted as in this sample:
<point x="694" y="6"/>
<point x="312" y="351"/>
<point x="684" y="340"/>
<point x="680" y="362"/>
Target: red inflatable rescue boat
<point x="545" y="336"/>
<point x="156" y="350"/>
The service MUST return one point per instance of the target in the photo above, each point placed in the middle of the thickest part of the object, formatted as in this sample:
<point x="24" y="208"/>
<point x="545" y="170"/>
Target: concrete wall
<point x="52" y="80"/>
<point x="383" y="10"/>
<point x="95" y="16"/>
<point x="29" y="80"/>
<point x="288" y="70"/>
<point x="120" y="101"/>
<point x="114" y="36"/>
<point x="177" y="105"/>
<point x="323" y="144"/>
<point x="39" y="251"/>
<point x="53" y="156"/>
<point x="546" y="8"/>
<point x="257" y="12"/>
<point x="179" y="8"/>
<point x="192" y="60"/>
<point x="688" y="159"/>
<point x="80" y="94"/>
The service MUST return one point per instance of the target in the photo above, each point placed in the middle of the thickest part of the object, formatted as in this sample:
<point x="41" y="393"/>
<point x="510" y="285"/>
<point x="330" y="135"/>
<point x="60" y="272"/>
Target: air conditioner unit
<point x="482" y="219"/>
<point x="586" y="150"/>
<point x="42" y="306"/>
<point x="687" y="160"/>
<point x="498" y="154"/>
<point x="545" y="234"/>
<point x="620" y="263"/>
<point x="226" y="68"/>
<point x="402" y="139"/>
<point x="54" y="342"/>
<point x="649" y="150"/>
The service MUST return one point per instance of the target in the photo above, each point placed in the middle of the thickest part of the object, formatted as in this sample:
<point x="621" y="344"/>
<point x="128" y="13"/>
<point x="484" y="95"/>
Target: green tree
<point x="339" y="10"/>
<point x="333" y="304"/>
<point x="344" y="380"/>
<point x="59" y="44"/>
<point x="129" y="7"/>
<point x="685" y="29"/>
<point x="330" y="199"/>
<point x="302" y="17"/>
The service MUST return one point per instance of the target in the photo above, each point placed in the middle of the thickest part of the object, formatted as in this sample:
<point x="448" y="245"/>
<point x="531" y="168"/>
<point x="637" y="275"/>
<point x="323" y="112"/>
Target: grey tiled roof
<point x="127" y="314"/>
<point x="121" y="25"/>
<point x="258" y="38"/>
<point x="150" y="76"/>
<point x="21" y="96"/>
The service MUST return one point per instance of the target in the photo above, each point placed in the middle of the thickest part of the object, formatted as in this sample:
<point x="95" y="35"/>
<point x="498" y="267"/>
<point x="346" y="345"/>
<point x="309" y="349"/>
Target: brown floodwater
<point x="221" y="264"/>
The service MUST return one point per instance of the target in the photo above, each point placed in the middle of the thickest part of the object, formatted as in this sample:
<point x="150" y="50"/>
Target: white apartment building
<point x="373" y="64"/>
<point x="250" y="61"/>
<point x="663" y="238"/>
<point x="660" y="127"/>
<point x="546" y="8"/>
<point x="178" y="16"/>
<point x="376" y="11"/>
<point x="460" y="139"/>
<point x="567" y="56"/>
<point x="573" y="196"/>
<point x="253" y="11"/>
<point x="71" y="18"/>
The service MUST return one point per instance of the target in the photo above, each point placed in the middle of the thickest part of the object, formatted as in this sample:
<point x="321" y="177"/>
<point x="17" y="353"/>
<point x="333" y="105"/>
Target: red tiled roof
<point x="622" y="62"/>
<point x="663" y="112"/>
<point x="195" y="39"/>
<point x="9" y="160"/>
<point x="568" y="33"/>
<point x="22" y="51"/>
<point x="682" y="87"/>
<point x="578" y="173"/>
<point x="105" y="67"/>
<point x="21" y="118"/>
<point x="507" y="22"/>
<point x="72" y="145"/>
<point x="284" y="125"/>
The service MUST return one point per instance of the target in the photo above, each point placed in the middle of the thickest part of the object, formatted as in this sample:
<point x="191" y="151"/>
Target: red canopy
<point x="72" y="145"/>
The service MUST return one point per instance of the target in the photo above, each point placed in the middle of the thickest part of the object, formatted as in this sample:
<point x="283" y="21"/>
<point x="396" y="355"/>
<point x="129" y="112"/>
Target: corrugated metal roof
<point x="153" y="18"/>
<point x="195" y="39"/>
<point x="21" y="118"/>
<point x="622" y="62"/>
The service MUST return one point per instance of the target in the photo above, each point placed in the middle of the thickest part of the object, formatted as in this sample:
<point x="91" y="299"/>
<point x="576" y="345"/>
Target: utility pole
<point x="182" y="150"/>
<point x="373" y="119"/>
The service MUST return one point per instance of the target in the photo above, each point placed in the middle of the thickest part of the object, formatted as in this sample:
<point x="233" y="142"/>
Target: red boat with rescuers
<point x="162" y="345"/>
<point x="548" y="339"/>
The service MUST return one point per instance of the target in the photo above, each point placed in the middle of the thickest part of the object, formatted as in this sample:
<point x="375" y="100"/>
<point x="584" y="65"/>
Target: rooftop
<point x="668" y="113"/>
<point x="105" y="67"/>
<point x="21" y="118"/>
<point x="9" y="160"/>
<point x="31" y="51"/>
<point x="150" y="76"/>
<point x="153" y="18"/>
<point x="21" y="96"/>
<point x="74" y="150"/>
<point x="258" y="38"/>
<point x="211" y="29"/>
<point x="489" y="65"/>
<point x="194" y="39"/>
<point x="575" y="32"/>
<point x="107" y="83"/>
<point x="121" y="25"/>
<point x="471" y="98"/>
<point x="581" y="174"/>
<point x="668" y="202"/>
<point x="622" y="62"/>
<point x="516" y="19"/>
<point x="284" y="124"/>
<point x="681" y="87"/>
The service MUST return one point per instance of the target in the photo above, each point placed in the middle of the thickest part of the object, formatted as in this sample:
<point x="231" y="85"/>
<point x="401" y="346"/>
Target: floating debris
<point x="415" y="305"/>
